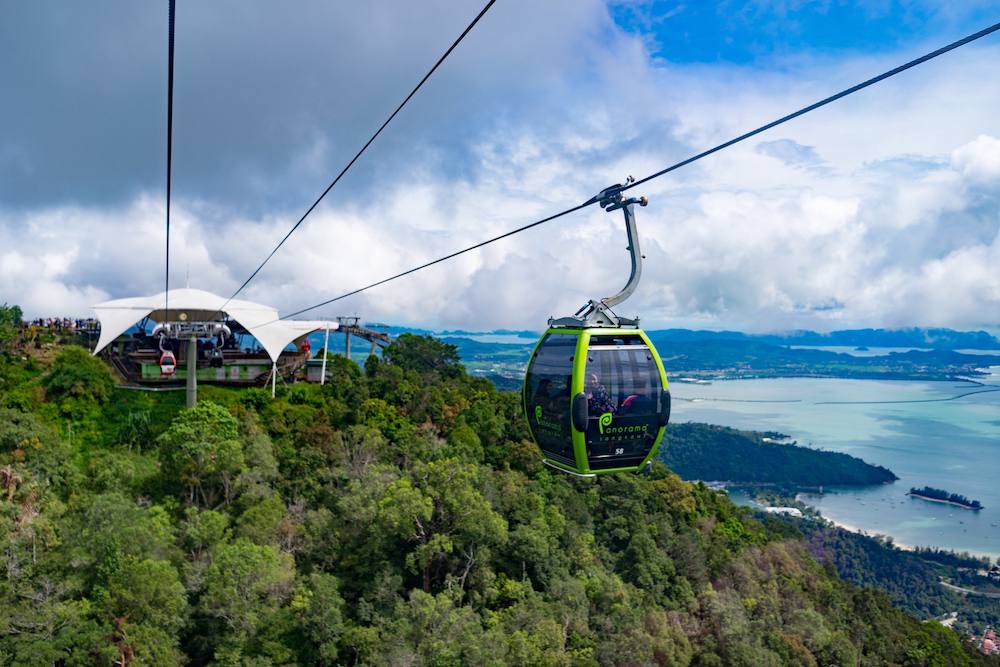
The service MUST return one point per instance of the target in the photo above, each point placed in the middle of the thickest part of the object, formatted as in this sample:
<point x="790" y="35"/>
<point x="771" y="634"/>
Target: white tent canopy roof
<point x="275" y="336"/>
<point x="118" y="316"/>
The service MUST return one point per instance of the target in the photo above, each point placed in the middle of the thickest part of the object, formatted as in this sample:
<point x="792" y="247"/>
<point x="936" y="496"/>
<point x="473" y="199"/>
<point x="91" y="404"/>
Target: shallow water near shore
<point x="940" y="434"/>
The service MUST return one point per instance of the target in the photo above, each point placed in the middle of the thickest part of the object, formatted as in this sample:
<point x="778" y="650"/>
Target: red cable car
<point x="168" y="363"/>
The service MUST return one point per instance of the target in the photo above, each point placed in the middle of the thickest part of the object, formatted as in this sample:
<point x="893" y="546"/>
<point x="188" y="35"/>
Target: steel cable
<point x="368" y="143"/>
<point x="170" y="144"/>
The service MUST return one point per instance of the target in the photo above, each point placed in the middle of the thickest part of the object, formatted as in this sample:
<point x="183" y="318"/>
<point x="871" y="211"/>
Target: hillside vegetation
<point x="396" y="516"/>
<point x="912" y="579"/>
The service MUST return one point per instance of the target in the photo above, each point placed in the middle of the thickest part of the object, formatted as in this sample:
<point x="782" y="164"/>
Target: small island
<point x="942" y="496"/>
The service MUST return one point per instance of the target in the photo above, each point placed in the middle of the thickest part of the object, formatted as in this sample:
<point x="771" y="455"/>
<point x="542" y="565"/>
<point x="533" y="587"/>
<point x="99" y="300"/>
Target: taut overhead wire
<point x="368" y="143"/>
<point x="170" y="144"/>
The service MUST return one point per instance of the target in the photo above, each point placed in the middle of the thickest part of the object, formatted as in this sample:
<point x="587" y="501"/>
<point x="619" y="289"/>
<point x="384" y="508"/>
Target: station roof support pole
<point x="326" y="347"/>
<point x="192" y="373"/>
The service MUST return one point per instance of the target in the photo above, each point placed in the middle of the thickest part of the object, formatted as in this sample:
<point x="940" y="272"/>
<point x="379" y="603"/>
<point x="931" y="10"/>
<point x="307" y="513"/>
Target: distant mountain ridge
<point x="916" y="337"/>
<point x="500" y="355"/>
<point x="943" y="339"/>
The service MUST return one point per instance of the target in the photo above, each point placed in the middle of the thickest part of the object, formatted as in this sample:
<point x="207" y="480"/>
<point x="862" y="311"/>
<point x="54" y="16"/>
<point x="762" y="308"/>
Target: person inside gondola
<point x="598" y="399"/>
<point x="543" y="393"/>
<point x="634" y="403"/>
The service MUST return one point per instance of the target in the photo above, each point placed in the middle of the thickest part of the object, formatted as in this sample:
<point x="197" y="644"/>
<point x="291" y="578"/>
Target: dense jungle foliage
<point x="395" y="516"/>
<point x="912" y="579"/>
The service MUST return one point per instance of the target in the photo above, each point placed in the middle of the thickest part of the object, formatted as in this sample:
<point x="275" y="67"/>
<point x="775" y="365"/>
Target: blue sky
<point x="766" y="31"/>
<point x="880" y="210"/>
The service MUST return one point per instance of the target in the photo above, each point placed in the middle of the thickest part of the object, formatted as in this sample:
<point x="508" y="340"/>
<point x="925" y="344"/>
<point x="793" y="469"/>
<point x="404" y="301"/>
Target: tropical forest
<point x="397" y="515"/>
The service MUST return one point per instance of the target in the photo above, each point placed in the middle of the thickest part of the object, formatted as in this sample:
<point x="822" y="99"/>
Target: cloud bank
<point x="882" y="210"/>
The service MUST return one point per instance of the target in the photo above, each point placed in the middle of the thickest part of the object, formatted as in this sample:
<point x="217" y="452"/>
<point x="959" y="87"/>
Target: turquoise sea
<point x="940" y="434"/>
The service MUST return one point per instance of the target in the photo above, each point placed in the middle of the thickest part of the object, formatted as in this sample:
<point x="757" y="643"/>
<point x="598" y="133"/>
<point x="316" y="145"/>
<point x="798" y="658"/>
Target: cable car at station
<point x="595" y="393"/>
<point x="168" y="362"/>
<point x="216" y="359"/>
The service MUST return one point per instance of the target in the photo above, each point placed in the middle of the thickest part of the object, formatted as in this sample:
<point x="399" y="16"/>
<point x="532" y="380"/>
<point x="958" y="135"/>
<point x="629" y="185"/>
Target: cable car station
<point x="193" y="340"/>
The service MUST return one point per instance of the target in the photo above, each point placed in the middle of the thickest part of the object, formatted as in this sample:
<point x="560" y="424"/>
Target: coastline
<point x="884" y="536"/>
<point x="923" y="451"/>
<point x="854" y="529"/>
<point x="851" y="528"/>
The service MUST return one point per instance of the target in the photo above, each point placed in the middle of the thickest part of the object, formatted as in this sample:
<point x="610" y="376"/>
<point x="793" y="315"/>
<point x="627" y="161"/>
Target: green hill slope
<point x="395" y="516"/>
<point x="912" y="579"/>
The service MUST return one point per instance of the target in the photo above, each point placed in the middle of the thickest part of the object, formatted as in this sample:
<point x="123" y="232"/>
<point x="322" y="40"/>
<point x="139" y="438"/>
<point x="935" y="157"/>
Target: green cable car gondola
<point x="595" y="392"/>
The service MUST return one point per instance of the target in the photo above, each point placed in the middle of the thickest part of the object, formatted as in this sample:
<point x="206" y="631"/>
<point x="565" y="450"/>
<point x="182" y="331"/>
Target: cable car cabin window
<point x="601" y="340"/>
<point x="547" y="396"/>
<point x="623" y="390"/>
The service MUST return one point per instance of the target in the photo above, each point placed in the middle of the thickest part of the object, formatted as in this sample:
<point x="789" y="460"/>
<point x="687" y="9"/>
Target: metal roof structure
<point x="193" y="305"/>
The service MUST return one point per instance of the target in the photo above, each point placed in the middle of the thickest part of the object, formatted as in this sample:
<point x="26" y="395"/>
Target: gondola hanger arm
<point x="598" y="312"/>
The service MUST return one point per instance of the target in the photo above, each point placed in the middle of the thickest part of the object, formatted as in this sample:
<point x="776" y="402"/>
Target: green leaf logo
<point x="538" y="413"/>
<point x="604" y="420"/>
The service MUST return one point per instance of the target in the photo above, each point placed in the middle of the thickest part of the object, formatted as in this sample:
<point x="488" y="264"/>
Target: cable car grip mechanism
<point x="598" y="313"/>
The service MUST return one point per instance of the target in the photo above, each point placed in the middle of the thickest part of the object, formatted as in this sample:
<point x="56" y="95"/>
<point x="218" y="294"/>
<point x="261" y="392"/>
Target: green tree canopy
<point x="78" y="382"/>
<point x="148" y="592"/>
<point x="10" y="323"/>
<point x="202" y="450"/>
<point x="424" y="354"/>
<point x="246" y="584"/>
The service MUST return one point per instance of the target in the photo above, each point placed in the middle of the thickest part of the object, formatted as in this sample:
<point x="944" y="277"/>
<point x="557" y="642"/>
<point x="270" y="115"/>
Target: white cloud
<point x="881" y="210"/>
<point x="979" y="161"/>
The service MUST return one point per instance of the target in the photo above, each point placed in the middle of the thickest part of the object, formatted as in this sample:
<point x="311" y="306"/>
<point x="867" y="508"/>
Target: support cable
<point x="170" y="143"/>
<point x="833" y="98"/>
<point x="593" y="200"/>
<point x="368" y="143"/>
<point x="437" y="261"/>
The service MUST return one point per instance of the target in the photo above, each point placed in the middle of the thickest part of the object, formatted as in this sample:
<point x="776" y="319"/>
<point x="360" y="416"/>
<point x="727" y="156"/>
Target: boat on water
<point x="689" y="380"/>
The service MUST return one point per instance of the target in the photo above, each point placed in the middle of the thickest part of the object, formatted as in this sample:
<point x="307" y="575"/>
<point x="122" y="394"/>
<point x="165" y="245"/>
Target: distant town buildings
<point x="988" y="643"/>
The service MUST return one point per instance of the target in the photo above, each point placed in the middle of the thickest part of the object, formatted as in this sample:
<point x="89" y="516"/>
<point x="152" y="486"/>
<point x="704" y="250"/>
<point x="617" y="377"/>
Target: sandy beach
<point x="901" y="545"/>
<point x="855" y="529"/>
